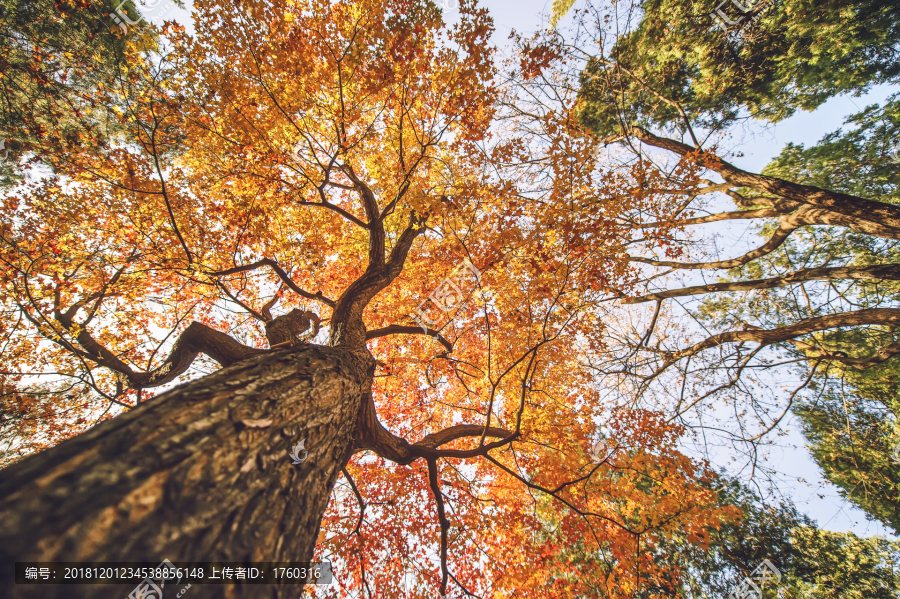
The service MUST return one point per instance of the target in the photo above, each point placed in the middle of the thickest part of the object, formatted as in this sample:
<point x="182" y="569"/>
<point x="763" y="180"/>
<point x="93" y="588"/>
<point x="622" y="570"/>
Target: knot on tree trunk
<point x="289" y="327"/>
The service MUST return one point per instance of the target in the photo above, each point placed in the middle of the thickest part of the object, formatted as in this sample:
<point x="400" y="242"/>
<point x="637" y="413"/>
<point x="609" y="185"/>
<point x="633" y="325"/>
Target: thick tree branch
<point x="460" y="431"/>
<point x="399" y="329"/>
<point x="871" y="316"/>
<point x="778" y="237"/>
<point x="347" y="327"/>
<point x="195" y="339"/>
<point x="371" y="435"/>
<point x="852" y="206"/>
<point x="890" y="272"/>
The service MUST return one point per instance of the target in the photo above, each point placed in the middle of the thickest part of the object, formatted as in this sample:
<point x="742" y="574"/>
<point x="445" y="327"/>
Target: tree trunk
<point x="200" y="473"/>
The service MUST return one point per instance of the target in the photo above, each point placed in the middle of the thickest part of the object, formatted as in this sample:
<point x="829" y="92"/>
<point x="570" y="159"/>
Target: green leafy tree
<point x="809" y="560"/>
<point x="832" y="565"/>
<point x="850" y="424"/>
<point x="860" y="158"/>
<point x="851" y="430"/>
<point x="737" y="548"/>
<point x="821" y="288"/>
<point x="677" y="66"/>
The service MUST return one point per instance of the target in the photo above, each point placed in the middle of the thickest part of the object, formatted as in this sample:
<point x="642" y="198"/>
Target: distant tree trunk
<point x="200" y="473"/>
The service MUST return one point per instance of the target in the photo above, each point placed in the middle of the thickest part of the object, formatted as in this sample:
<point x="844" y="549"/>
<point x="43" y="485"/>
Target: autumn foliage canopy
<point x="252" y="167"/>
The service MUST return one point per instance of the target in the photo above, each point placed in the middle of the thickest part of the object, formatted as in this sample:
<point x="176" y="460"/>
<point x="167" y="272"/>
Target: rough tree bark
<point x="200" y="473"/>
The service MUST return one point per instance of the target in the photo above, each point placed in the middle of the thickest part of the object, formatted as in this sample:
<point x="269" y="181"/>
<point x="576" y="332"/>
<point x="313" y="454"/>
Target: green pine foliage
<point x="833" y="565"/>
<point x="676" y="67"/>
<point x="862" y="158"/>
<point x="811" y="562"/>
<point x="782" y="56"/>
<point x="852" y="431"/>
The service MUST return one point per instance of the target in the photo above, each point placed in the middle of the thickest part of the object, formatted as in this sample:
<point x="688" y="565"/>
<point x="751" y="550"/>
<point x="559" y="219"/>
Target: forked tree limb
<point x="881" y="272"/>
<point x="882" y="355"/>
<point x="197" y="338"/>
<point x="373" y="436"/>
<point x="821" y="216"/>
<point x="347" y="326"/>
<point x="849" y="205"/>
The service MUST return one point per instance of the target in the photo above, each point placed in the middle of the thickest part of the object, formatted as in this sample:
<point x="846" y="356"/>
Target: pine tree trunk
<point x="200" y="473"/>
